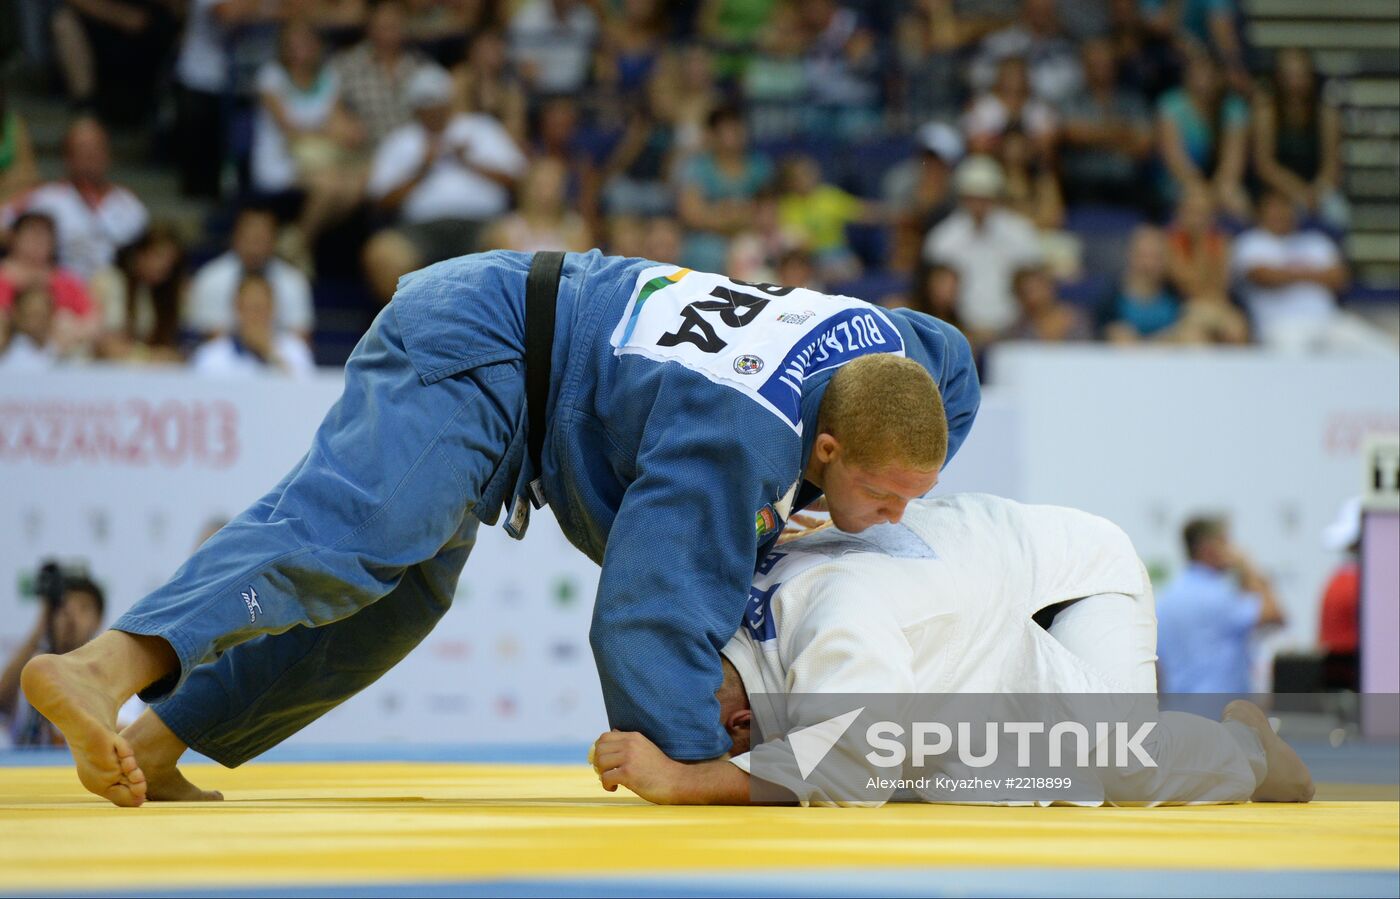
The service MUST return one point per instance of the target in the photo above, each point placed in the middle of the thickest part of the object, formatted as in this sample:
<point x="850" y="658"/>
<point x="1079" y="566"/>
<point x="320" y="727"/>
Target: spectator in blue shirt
<point x="718" y="188"/>
<point x="1202" y="138"/>
<point x="1142" y="306"/>
<point x="1206" y="617"/>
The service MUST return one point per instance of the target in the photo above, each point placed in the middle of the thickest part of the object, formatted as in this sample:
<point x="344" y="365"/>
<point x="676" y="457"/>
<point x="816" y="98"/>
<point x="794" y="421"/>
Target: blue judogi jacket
<point x="674" y="482"/>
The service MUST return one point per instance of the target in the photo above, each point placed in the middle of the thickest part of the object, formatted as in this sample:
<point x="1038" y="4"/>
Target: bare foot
<point x="1286" y="779"/>
<point x="159" y="750"/>
<point x="68" y="693"/>
<point x="169" y="785"/>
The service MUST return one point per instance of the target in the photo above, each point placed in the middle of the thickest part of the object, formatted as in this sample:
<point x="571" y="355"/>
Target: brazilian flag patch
<point x="766" y="521"/>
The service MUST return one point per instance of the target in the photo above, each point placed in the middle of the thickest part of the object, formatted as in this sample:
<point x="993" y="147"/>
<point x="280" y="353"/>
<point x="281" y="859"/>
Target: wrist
<point x="714" y="782"/>
<point x="688" y="783"/>
<point x="686" y="786"/>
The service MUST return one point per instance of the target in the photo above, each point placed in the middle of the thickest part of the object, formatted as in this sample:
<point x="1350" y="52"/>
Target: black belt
<point x="1046" y="616"/>
<point x="541" y="300"/>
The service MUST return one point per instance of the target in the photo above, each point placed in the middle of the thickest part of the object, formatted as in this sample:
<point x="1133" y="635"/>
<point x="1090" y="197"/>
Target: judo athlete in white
<point x="945" y="602"/>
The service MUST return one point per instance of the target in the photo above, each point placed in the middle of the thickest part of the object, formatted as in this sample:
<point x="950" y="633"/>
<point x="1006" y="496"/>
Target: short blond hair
<point x="886" y="410"/>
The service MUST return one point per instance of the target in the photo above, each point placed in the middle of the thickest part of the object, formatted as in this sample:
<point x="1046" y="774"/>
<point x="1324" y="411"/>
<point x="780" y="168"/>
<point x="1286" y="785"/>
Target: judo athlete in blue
<point x="681" y="417"/>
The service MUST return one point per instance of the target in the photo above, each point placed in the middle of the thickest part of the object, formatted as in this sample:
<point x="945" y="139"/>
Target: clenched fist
<point x="627" y="759"/>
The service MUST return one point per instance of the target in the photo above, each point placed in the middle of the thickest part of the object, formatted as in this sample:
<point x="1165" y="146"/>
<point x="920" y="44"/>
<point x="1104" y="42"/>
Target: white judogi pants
<point x="1113" y="638"/>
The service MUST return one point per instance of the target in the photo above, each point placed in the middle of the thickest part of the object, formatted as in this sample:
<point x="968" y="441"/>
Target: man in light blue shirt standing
<point x="1207" y="616"/>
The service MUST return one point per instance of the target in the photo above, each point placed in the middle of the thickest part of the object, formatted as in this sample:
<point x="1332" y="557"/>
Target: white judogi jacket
<point x="941" y="603"/>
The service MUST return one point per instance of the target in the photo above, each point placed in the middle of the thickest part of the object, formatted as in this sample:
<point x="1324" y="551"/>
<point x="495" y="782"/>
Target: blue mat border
<point x="939" y="882"/>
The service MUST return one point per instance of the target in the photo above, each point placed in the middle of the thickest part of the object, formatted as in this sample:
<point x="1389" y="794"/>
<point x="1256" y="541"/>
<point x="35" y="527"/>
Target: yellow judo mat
<point x="397" y="823"/>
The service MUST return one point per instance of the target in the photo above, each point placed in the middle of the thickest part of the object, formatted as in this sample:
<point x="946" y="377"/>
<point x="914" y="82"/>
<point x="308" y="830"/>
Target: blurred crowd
<point x="1117" y="170"/>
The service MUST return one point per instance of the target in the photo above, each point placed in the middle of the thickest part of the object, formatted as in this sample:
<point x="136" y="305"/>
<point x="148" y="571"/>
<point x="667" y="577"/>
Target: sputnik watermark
<point x="945" y="784"/>
<point x="1079" y="748"/>
<point x="935" y="738"/>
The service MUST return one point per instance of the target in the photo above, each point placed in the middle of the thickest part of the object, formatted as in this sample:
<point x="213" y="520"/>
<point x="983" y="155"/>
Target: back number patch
<point x="763" y="340"/>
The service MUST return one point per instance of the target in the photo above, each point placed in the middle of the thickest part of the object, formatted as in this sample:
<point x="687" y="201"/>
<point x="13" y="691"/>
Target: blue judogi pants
<point x="334" y="576"/>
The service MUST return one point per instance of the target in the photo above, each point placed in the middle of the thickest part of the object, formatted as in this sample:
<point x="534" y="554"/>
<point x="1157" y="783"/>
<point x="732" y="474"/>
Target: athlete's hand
<point x="626" y="759"/>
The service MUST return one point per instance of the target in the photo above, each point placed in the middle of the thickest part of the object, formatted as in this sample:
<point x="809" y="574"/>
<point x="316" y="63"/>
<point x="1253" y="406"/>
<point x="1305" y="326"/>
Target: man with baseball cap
<point x="440" y="177"/>
<point x="987" y="244"/>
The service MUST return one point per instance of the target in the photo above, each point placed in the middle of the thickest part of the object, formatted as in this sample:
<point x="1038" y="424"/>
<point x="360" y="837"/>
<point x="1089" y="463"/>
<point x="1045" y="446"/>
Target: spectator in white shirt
<point x="1008" y="106"/>
<point x="30" y="326"/>
<point x="211" y="301"/>
<point x="1037" y="36"/>
<point x="442" y="177"/>
<point x="94" y="217"/>
<point x="256" y="343"/>
<point x="1289" y="280"/>
<point x="303" y="134"/>
<point x="986" y="245"/>
<point x="551" y="42"/>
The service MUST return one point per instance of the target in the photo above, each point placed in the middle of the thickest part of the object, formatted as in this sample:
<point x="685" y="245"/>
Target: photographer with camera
<point x="71" y="615"/>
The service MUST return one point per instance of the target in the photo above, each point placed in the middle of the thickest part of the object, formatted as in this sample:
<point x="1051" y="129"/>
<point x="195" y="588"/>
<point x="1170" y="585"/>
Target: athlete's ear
<point x="739" y="719"/>
<point x="826" y="447"/>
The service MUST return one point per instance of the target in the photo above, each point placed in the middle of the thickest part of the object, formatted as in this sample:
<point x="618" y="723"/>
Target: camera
<point x="48" y="582"/>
